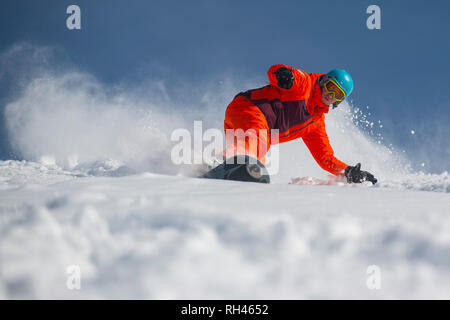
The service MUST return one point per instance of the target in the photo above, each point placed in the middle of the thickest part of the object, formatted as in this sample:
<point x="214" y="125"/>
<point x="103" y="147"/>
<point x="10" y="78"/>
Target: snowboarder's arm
<point x="316" y="139"/>
<point x="299" y="84"/>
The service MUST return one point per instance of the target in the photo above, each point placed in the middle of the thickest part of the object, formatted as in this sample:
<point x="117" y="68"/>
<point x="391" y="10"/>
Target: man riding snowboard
<point x="292" y="106"/>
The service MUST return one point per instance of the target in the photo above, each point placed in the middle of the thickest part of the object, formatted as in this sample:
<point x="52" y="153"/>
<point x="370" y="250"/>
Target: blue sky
<point x="400" y="71"/>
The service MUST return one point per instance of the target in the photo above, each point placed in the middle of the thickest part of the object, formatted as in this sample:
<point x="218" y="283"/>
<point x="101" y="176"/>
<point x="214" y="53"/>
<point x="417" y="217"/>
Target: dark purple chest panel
<point x="281" y="115"/>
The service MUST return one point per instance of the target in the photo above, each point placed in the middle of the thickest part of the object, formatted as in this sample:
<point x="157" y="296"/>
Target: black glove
<point x="285" y="77"/>
<point x="355" y="175"/>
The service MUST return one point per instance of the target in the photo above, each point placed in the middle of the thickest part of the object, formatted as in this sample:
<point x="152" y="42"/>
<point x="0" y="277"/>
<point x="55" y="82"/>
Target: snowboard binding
<point x="240" y="168"/>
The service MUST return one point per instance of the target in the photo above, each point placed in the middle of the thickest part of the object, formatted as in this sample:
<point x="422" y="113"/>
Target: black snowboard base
<point x="240" y="168"/>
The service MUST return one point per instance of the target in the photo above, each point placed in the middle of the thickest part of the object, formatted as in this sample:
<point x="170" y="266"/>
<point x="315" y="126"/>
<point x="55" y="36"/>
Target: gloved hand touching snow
<point x="356" y="175"/>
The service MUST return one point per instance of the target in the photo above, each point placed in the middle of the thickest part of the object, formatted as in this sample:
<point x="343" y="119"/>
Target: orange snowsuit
<point x="297" y="112"/>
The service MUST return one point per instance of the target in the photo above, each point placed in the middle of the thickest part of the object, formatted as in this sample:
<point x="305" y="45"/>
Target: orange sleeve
<point x="316" y="139"/>
<point x="301" y="81"/>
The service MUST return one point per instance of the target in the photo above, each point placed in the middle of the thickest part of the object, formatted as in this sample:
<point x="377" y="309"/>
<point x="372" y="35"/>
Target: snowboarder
<point x="295" y="104"/>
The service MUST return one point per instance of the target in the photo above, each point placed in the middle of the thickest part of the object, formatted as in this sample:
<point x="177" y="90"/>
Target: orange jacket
<point x="297" y="112"/>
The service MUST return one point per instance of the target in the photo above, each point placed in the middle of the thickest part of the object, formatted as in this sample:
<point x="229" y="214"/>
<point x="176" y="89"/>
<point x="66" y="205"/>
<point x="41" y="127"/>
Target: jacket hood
<point x="315" y="104"/>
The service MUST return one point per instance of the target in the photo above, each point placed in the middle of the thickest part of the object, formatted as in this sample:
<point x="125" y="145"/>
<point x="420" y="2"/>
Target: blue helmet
<point x="343" y="79"/>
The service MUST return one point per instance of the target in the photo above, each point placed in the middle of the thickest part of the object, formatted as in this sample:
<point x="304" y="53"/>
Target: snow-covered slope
<point x="166" y="237"/>
<point x="97" y="189"/>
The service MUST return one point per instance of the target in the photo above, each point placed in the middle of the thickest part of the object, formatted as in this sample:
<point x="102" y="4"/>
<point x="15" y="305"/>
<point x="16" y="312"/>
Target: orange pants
<point x="246" y="130"/>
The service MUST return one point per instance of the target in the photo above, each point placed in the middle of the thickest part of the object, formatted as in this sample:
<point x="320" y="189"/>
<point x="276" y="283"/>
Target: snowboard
<point x="239" y="168"/>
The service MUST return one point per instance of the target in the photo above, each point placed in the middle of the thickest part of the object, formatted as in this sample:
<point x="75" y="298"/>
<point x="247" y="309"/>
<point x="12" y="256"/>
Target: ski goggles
<point x="332" y="87"/>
